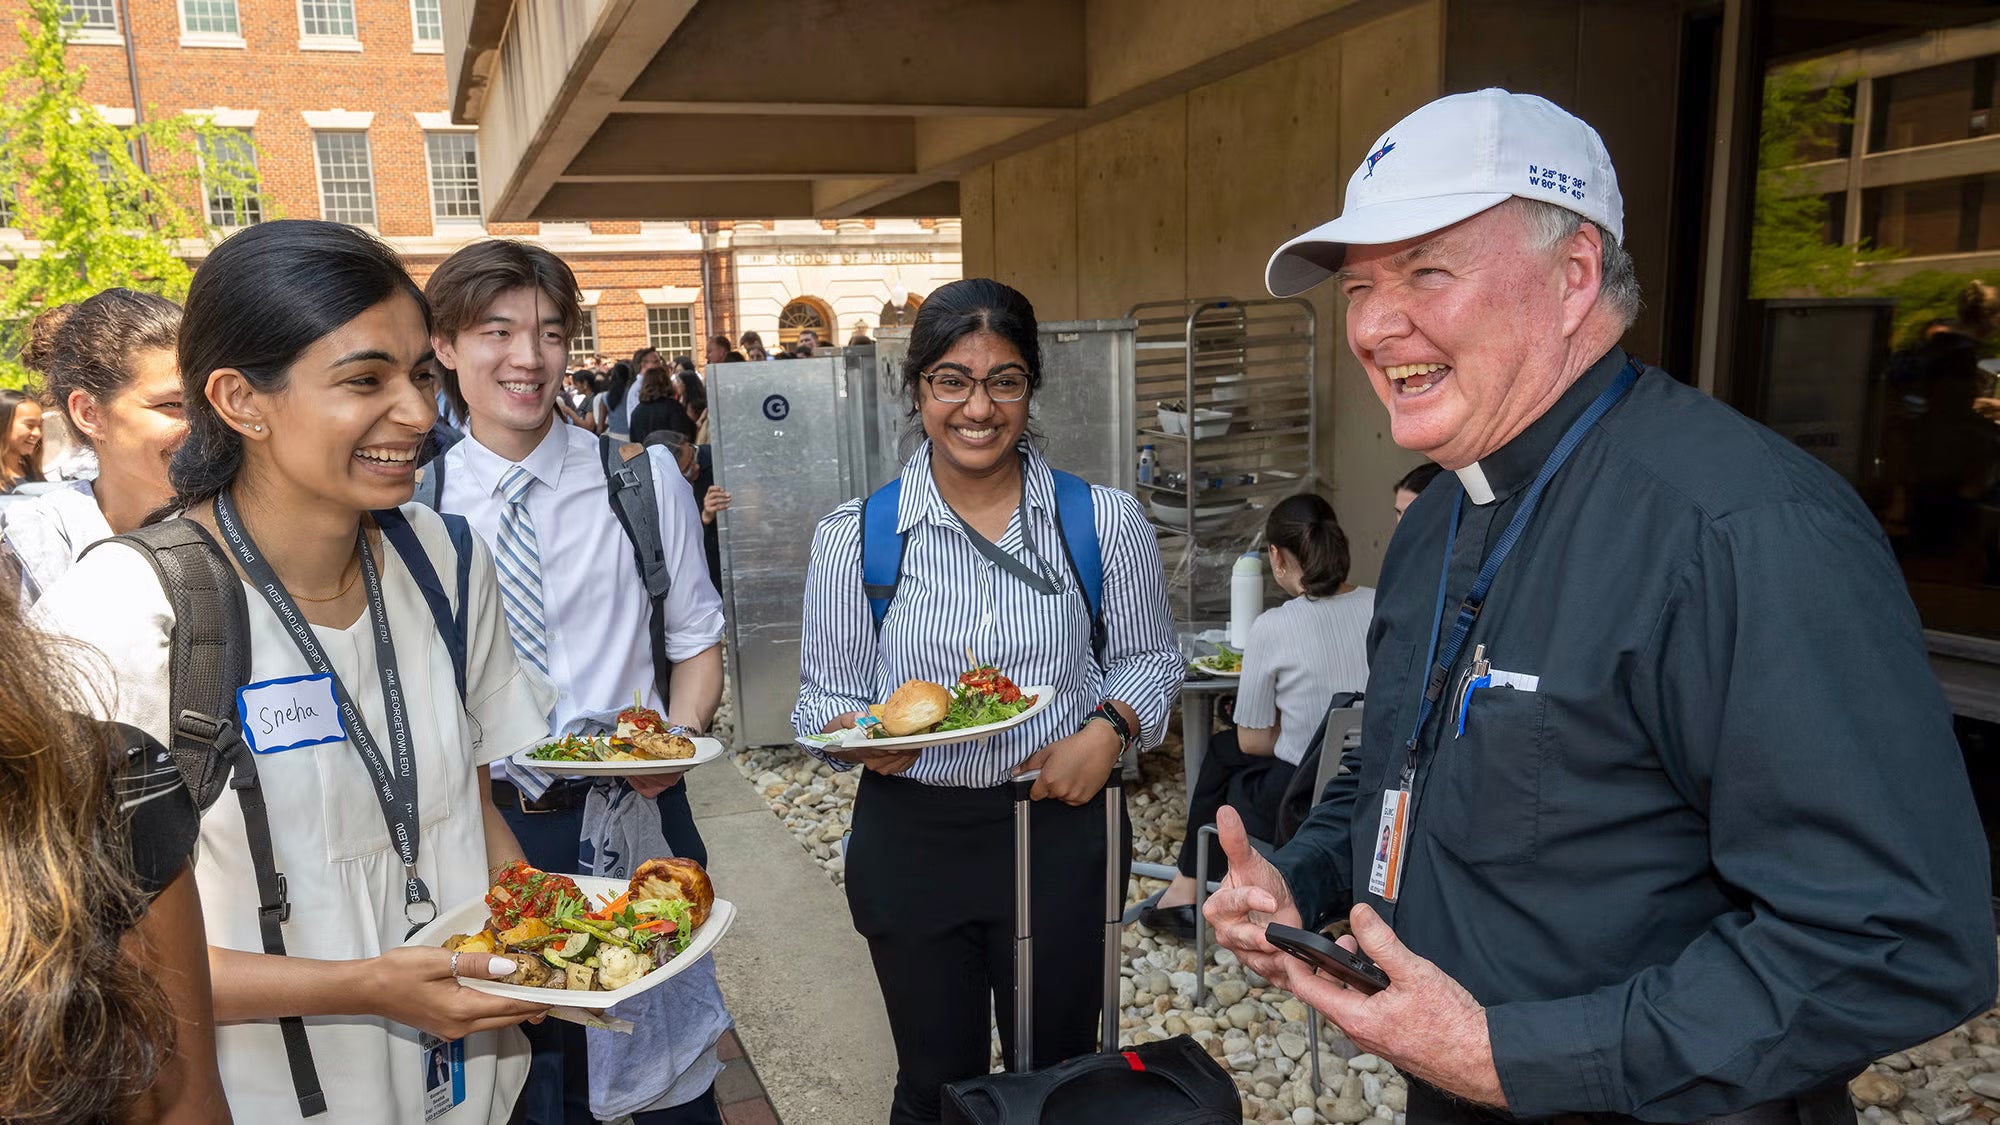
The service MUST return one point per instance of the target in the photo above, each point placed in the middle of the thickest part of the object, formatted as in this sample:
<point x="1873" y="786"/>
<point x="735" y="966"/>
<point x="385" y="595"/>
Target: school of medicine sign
<point x="838" y="258"/>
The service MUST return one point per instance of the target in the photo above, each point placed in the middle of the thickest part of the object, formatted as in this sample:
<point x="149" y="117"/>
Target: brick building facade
<point x="346" y="103"/>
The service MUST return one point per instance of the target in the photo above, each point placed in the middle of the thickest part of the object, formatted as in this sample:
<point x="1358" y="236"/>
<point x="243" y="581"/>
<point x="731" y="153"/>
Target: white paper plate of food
<point x="573" y="952"/>
<point x="575" y="755"/>
<point x="1226" y="664"/>
<point x="640" y="746"/>
<point x="920" y="713"/>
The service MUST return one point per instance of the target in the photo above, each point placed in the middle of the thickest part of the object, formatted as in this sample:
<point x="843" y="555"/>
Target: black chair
<point x="1339" y="728"/>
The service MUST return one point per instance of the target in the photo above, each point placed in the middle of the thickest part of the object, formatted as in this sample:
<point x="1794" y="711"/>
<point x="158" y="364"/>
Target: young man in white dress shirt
<point x="578" y="608"/>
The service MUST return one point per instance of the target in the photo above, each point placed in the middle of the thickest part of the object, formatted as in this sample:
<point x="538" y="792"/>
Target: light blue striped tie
<point x="520" y="567"/>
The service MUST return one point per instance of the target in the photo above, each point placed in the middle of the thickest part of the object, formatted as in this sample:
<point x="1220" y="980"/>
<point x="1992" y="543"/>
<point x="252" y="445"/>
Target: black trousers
<point x="1251" y="784"/>
<point x="930" y="881"/>
<point x="558" y="1089"/>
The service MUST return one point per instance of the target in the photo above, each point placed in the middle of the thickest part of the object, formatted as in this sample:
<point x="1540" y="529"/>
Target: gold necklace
<point x="344" y="589"/>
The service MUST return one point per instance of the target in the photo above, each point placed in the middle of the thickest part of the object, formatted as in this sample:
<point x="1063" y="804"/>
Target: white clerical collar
<point x="1474" y="479"/>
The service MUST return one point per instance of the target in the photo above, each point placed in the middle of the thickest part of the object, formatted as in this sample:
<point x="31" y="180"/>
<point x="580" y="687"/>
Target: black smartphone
<point x="1354" y="970"/>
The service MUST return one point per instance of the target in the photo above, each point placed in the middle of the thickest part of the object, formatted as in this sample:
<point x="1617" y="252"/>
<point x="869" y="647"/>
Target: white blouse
<point x="47" y="533"/>
<point x="1301" y="654"/>
<point x="331" y="842"/>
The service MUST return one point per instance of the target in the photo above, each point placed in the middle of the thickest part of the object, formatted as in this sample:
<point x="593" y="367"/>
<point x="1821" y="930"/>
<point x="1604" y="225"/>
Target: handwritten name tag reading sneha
<point x="286" y="714"/>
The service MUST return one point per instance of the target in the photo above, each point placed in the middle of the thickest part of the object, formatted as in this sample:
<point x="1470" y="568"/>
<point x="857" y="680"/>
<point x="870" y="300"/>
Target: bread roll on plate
<point x="914" y="708"/>
<point x="676" y="878"/>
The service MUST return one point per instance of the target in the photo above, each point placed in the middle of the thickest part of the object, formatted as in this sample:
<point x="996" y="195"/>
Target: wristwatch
<point x="1110" y="714"/>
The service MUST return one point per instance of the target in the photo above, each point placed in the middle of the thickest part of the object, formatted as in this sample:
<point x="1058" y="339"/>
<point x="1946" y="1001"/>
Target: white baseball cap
<point x="1449" y="161"/>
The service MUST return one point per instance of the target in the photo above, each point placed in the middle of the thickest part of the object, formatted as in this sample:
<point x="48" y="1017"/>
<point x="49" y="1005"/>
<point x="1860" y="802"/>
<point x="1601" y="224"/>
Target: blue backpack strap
<point x="450" y="624"/>
<point x="460" y="533"/>
<point x="881" y="549"/>
<point x="1076" y="522"/>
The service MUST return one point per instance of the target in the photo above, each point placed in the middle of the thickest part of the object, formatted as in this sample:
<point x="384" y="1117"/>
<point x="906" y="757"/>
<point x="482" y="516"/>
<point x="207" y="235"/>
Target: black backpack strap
<point x="628" y="477"/>
<point x="209" y="660"/>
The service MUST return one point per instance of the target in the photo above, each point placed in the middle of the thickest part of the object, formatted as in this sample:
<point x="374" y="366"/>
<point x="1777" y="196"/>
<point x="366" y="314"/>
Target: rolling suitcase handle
<point x="1024" y="937"/>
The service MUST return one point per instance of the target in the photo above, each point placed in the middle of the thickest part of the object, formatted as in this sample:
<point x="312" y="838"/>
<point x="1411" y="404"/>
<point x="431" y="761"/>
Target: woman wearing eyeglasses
<point x="986" y="571"/>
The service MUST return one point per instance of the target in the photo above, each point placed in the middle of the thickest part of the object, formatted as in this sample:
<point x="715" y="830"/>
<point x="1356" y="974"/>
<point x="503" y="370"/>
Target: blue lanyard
<point x="1440" y="663"/>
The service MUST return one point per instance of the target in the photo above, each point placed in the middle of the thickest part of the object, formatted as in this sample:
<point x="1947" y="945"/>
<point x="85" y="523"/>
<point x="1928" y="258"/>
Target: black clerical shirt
<point x="1724" y="850"/>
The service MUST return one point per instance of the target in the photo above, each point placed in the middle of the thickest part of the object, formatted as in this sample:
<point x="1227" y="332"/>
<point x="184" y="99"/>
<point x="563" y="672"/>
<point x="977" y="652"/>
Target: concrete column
<point x="1864" y="115"/>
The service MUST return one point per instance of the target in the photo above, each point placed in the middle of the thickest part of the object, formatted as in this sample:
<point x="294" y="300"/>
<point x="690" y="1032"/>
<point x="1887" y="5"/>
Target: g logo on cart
<point x="777" y="408"/>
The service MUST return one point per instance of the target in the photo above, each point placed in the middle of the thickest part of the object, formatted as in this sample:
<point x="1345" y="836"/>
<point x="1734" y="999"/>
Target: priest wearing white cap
<point x="1658" y="813"/>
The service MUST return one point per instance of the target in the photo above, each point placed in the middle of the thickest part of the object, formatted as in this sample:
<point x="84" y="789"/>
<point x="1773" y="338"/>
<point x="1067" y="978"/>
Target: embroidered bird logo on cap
<point x="1388" y="146"/>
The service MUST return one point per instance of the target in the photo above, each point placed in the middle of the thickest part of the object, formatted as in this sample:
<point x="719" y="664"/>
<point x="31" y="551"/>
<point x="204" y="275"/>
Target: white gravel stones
<point x="1258" y="1032"/>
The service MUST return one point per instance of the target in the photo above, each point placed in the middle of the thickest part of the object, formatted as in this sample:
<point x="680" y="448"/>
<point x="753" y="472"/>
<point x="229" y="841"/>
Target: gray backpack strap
<point x="210" y="649"/>
<point x="209" y="659"/>
<point x="628" y="475"/>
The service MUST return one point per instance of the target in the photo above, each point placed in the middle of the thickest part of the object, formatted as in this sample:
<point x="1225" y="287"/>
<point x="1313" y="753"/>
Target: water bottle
<point x="1246" y="597"/>
<point x="1147" y="458"/>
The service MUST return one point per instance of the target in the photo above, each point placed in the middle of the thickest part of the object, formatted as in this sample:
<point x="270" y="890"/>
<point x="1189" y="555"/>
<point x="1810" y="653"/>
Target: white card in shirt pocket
<point x="1519" y="681"/>
<point x="285" y="714"/>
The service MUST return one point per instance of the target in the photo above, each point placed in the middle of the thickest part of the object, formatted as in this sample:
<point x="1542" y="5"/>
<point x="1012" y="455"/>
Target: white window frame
<point x="113" y="36"/>
<point x="319" y="178"/>
<point x="586" y="328"/>
<point x="426" y="46"/>
<point x="457" y="222"/>
<point x="222" y="39"/>
<point x="653" y="339"/>
<point x="208" y="207"/>
<point x="311" y="41"/>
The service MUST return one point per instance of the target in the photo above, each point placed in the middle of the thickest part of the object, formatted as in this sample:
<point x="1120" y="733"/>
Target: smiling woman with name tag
<point x="370" y="701"/>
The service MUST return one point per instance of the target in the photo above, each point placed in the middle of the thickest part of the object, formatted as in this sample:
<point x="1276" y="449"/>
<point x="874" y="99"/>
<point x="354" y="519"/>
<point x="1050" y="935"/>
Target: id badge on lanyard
<point x="1392" y="833"/>
<point x="444" y="1075"/>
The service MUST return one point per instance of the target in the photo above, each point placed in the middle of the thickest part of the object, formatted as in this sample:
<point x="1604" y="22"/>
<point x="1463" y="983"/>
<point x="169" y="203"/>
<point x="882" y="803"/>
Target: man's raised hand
<point x="1252" y="895"/>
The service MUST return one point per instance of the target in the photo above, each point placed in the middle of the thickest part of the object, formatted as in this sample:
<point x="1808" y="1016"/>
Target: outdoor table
<point x="1198" y="695"/>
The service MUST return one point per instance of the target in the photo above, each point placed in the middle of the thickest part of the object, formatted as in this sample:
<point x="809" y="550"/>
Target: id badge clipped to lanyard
<point x="444" y="1074"/>
<point x="1385" y="875"/>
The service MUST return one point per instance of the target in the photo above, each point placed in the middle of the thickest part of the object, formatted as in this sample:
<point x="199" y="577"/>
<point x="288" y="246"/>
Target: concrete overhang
<point x="709" y="109"/>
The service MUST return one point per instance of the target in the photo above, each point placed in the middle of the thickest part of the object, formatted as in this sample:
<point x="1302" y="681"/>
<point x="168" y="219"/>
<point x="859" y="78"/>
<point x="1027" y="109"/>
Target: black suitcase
<point x="1169" y="1083"/>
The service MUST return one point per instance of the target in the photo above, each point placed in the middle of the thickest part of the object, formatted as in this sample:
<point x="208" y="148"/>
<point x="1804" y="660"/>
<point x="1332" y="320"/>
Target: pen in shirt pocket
<point x="1491" y="678"/>
<point x="1477" y="676"/>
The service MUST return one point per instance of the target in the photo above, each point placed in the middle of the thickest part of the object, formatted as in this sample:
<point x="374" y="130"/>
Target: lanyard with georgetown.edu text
<point x="1392" y="833"/>
<point x="395" y="778"/>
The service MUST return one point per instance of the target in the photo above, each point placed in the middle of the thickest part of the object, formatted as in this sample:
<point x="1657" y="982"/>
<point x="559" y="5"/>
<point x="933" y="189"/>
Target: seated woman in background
<point x="108" y="363"/>
<point x="20" y="440"/>
<point x="104" y="991"/>
<point x="1300" y="656"/>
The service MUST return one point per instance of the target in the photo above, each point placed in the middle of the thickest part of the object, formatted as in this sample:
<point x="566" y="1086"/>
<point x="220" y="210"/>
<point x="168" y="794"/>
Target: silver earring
<point x="259" y="429"/>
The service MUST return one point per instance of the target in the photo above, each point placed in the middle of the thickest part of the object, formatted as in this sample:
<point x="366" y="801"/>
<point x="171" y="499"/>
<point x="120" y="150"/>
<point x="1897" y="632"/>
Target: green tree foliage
<point x="80" y="191"/>
<point x="1789" y="251"/>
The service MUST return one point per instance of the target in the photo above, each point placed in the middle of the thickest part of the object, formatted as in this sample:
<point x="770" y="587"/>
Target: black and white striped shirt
<point x="951" y="599"/>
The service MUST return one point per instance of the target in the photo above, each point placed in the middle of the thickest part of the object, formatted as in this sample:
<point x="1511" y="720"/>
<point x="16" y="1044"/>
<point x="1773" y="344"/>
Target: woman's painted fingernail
<point x="500" y="966"/>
